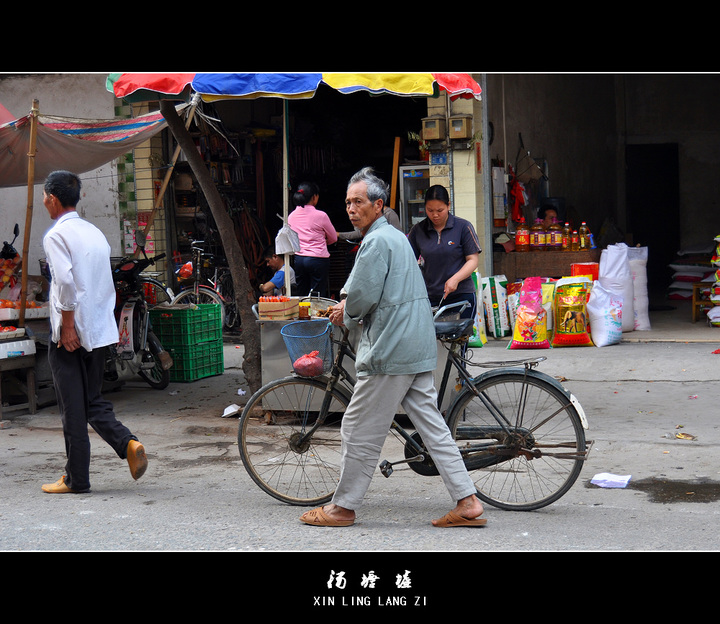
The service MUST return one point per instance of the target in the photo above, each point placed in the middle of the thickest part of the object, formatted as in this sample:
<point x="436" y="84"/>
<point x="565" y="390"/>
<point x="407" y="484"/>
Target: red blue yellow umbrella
<point x="214" y="86"/>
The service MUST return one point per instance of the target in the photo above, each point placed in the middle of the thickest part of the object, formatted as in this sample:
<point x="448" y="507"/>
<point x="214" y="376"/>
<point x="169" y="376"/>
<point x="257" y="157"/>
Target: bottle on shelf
<point x="575" y="241"/>
<point x="537" y="236"/>
<point x="522" y="236"/>
<point x="553" y="236"/>
<point x="584" y="237"/>
<point x="566" y="238"/>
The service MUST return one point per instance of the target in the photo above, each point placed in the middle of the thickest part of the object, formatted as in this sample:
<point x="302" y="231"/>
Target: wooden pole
<point x="244" y="294"/>
<point x="286" y="187"/>
<point x="396" y="166"/>
<point x="168" y="174"/>
<point x="29" y="211"/>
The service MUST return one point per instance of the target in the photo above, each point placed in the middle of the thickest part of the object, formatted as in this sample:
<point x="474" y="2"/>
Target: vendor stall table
<point x="26" y="362"/>
<point x="519" y="265"/>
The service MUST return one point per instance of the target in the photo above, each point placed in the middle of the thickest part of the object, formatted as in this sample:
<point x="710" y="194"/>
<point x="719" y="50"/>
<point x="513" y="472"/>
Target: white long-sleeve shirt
<point x="78" y="255"/>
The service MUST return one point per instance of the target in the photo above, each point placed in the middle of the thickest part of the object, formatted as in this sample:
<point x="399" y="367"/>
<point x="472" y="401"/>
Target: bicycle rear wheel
<point x="205" y="295"/>
<point x="155" y="292"/>
<point x="539" y="456"/>
<point x="273" y="445"/>
<point x="227" y="292"/>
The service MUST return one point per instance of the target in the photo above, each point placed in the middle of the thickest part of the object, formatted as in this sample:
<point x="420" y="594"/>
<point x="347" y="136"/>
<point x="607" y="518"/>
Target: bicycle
<point x="520" y="432"/>
<point x="217" y="289"/>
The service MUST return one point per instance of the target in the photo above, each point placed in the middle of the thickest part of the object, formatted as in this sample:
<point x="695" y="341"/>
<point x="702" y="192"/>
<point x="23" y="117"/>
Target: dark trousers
<point x="78" y="378"/>
<point x="311" y="274"/>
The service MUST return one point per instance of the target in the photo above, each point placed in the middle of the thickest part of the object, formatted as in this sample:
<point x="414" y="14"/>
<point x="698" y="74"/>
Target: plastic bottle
<point x="575" y="241"/>
<point x="522" y="236"/>
<point x="584" y="236"/>
<point x="566" y="238"/>
<point x="553" y="236"/>
<point x="537" y="236"/>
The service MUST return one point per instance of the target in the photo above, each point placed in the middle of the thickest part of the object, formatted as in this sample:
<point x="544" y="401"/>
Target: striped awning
<point x="78" y="145"/>
<point x="301" y="85"/>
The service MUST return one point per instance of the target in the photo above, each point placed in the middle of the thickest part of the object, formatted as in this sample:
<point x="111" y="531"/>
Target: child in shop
<point x="276" y="284"/>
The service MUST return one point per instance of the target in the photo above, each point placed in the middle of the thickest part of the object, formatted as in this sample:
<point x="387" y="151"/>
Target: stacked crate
<point x="193" y="336"/>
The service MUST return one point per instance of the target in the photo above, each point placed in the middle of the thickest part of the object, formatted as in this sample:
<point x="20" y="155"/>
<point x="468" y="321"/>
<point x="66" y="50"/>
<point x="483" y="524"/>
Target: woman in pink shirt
<point x="316" y="232"/>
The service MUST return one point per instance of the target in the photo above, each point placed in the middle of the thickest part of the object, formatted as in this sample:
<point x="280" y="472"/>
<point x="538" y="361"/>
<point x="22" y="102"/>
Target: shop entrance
<point x="653" y="208"/>
<point x="331" y="136"/>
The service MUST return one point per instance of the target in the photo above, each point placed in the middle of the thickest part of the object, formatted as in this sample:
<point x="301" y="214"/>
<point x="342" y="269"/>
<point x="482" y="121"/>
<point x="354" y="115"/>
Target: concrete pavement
<point x="196" y="495"/>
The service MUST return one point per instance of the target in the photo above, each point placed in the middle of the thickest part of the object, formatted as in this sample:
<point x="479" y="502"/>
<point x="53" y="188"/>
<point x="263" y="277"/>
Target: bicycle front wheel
<point x="538" y="453"/>
<point x="289" y="439"/>
<point x="205" y="295"/>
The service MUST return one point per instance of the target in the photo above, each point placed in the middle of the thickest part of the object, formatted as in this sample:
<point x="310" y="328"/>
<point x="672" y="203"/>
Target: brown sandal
<point x="451" y="519"/>
<point x="318" y="517"/>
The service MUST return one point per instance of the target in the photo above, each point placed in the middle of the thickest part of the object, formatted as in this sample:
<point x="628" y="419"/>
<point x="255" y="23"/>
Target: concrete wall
<point x="71" y="95"/>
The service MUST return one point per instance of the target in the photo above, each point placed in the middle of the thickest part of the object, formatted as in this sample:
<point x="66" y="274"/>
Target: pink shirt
<point x="314" y="230"/>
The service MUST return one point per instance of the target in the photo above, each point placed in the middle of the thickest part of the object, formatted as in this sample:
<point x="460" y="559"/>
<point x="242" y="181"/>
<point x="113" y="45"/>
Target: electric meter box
<point x="460" y="127"/>
<point x="433" y="129"/>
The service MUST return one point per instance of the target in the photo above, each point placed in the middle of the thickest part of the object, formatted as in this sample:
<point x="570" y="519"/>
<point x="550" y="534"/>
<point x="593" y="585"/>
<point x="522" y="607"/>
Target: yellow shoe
<point x="59" y="487"/>
<point x="137" y="460"/>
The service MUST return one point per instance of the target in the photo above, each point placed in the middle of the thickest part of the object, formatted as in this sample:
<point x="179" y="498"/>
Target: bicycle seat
<point x="452" y="330"/>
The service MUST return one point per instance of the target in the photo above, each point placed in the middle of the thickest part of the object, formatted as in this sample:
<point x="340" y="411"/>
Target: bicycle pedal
<point x="386" y="468"/>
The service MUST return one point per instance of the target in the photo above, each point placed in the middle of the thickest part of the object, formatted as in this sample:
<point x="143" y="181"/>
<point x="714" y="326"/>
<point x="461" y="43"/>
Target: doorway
<point x="653" y="208"/>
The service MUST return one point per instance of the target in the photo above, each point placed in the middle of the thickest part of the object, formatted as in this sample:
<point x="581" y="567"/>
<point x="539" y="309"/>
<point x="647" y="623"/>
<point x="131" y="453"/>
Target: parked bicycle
<point x="520" y="432"/>
<point x="155" y="291"/>
<point x="216" y="288"/>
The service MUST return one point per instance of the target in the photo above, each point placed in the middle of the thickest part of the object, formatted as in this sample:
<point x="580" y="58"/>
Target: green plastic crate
<point x="185" y="326"/>
<point x="196" y="361"/>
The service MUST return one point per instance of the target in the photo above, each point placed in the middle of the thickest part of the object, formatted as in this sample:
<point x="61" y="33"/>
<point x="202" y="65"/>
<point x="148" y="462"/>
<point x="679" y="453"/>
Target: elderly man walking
<point x="395" y="363"/>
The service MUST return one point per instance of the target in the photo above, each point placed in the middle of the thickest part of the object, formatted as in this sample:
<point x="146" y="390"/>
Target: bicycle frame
<point x="199" y="281"/>
<point x="454" y="334"/>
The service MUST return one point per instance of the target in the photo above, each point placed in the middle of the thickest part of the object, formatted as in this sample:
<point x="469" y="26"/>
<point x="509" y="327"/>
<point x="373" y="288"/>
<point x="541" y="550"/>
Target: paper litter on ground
<point x="608" y="480"/>
<point x="231" y="410"/>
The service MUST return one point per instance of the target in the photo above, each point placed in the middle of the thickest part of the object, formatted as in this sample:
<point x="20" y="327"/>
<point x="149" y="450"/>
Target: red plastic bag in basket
<point x="309" y="365"/>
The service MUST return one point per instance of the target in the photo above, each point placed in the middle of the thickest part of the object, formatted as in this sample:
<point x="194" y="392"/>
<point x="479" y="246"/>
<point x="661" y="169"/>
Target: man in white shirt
<point x="82" y="300"/>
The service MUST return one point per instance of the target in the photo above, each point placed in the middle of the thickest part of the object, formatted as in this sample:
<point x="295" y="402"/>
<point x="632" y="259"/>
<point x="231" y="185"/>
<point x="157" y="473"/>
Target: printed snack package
<point x="530" y="330"/>
<point x="571" y="327"/>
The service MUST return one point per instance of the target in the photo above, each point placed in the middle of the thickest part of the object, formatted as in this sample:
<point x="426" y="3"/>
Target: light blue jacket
<point x="387" y="294"/>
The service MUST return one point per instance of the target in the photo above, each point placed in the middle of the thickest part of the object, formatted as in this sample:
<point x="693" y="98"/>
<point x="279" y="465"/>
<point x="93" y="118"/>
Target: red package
<point x="309" y="365"/>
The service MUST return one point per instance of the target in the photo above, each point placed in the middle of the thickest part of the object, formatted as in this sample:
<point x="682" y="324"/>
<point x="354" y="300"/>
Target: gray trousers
<point x="366" y="424"/>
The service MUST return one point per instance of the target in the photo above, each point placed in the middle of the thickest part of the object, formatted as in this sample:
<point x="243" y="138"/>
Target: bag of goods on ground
<point x="495" y="303"/>
<point x="637" y="260"/>
<point x="478" y="338"/>
<point x="548" y="298"/>
<point x="615" y="275"/>
<point x="513" y="300"/>
<point x="604" y="309"/>
<point x="570" y="327"/>
<point x="530" y="330"/>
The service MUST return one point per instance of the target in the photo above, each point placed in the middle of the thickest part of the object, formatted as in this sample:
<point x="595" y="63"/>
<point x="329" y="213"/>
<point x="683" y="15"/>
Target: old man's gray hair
<point x="376" y="188"/>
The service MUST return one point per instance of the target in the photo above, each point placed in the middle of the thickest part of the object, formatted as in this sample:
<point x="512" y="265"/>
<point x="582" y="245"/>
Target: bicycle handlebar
<point x="464" y="305"/>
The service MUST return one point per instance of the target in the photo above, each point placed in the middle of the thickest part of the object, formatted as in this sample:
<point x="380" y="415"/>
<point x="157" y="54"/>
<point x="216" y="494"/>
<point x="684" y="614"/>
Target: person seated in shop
<point x="547" y="213"/>
<point x="276" y="284"/>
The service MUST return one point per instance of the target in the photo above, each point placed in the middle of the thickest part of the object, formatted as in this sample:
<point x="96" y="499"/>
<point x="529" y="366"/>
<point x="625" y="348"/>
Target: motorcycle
<point x="138" y="351"/>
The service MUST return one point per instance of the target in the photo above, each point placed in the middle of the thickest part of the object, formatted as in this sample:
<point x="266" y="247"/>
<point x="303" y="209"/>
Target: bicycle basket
<point x="303" y="337"/>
